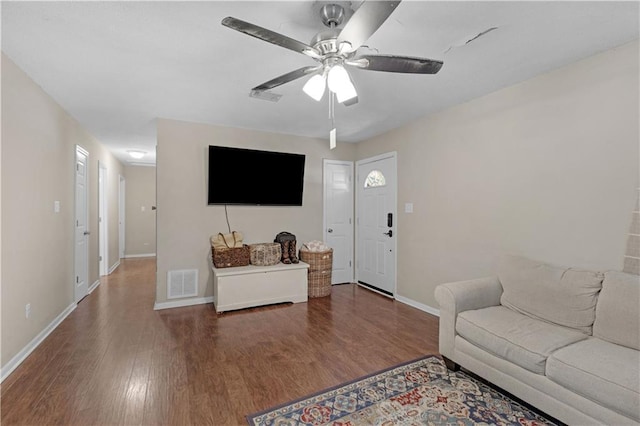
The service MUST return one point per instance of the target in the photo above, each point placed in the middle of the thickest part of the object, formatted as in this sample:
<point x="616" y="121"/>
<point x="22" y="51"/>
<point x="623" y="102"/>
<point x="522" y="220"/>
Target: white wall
<point x="546" y="168"/>
<point x="185" y="221"/>
<point x="38" y="156"/>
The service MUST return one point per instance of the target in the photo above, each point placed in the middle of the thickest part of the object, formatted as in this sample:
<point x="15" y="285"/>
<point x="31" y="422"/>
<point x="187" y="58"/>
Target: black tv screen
<point x="253" y="177"/>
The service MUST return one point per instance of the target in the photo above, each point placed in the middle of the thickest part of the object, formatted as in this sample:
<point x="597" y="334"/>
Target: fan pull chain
<point x="332" y="109"/>
<point x="332" y="132"/>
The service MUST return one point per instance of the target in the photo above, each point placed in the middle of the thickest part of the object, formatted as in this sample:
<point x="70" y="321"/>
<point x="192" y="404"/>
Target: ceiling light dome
<point x="136" y="154"/>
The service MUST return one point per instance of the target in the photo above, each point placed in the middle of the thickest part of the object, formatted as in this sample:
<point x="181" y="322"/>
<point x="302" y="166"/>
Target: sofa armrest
<point x="461" y="296"/>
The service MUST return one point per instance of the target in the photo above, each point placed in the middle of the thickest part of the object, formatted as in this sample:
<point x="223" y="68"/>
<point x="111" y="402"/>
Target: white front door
<point x="376" y="223"/>
<point x="81" y="221"/>
<point x="338" y="217"/>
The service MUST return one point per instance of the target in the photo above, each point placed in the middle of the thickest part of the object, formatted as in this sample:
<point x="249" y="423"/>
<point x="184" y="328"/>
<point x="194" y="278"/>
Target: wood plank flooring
<point x="115" y="360"/>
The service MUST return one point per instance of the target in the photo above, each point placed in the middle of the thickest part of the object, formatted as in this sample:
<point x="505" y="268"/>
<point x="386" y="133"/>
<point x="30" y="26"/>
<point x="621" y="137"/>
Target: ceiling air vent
<point x="182" y="283"/>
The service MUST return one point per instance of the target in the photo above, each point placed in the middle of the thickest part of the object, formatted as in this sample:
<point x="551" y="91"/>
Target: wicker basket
<point x="319" y="283"/>
<point x="318" y="260"/>
<point x="319" y="276"/>
<point x="265" y="254"/>
<point x="230" y="257"/>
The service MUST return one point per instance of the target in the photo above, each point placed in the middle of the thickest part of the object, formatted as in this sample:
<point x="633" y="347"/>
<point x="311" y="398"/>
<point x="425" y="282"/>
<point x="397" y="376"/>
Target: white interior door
<point x="338" y="217"/>
<point x="81" y="219"/>
<point x="121" y="224"/>
<point x="103" y="235"/>
<point x="376" y="222"/>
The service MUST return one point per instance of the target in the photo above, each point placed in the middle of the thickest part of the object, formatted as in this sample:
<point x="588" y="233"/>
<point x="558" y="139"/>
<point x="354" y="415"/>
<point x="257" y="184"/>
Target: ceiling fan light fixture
<point x="346" y="93"/>
<point x="340" y="83"/>
<point x="337" y="78"/>
<point x="315" y="86"/>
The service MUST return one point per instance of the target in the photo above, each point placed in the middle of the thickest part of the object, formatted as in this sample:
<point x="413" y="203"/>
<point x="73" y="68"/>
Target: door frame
<point x="326" y="162"/>
<point x="393" y="155"/>
<point x="80" y="150"/>
<point x="121" y="215"/>
<point x="103" y="220"/>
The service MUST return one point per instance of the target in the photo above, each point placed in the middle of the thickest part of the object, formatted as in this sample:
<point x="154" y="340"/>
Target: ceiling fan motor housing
<point x="325" y="41"/>
<point x="332" y="15"/>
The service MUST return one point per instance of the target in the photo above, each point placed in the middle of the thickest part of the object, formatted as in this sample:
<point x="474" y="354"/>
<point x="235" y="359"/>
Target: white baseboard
<point x="128" y="256"/>
<point x="26" y="351"/>
<point x="182" y="302"/>
<point x="426" y="308"/>
<point x="114" y="267"/>
<point x="93" y="286"/>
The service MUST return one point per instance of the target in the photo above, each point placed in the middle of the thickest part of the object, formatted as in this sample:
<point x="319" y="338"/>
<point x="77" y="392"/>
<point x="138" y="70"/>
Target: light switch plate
<point x="408" y="207"/>
<point x="56" y="206"/>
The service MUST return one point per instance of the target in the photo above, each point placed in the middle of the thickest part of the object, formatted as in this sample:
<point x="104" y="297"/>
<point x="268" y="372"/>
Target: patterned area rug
<point x="420" y="392"/>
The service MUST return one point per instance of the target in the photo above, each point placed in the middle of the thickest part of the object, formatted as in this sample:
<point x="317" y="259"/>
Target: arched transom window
<point x="374" y="178"/>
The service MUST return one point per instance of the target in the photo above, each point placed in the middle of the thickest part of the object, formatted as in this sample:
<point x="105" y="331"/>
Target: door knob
<point x="329" y="230"/>
<point x="87" y="232"/>
<point x="389" y="234"/>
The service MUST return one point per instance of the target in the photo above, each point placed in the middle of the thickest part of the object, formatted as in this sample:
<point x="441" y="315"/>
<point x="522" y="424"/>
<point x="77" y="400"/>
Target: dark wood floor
<point x="116" y="361"/>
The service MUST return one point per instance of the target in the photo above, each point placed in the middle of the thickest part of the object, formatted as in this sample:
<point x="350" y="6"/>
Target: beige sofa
<point x="566" y="341"/>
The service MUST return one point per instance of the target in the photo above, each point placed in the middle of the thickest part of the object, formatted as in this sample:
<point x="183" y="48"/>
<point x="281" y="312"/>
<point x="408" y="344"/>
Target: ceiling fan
<point x="335" y="50"/>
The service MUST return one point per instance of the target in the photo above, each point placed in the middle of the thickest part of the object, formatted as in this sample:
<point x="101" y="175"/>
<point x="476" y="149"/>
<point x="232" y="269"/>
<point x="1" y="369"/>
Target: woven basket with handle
<point x="230" y="257"/>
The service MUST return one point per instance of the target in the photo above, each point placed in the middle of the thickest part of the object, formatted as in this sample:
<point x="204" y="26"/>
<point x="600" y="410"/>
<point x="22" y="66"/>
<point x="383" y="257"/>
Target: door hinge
<point x="349" y="221"/>
<point x="100" y="258"/>
<point x="349" y="264"/>
<point x="77" y="279"/>
<point x="99" y="220"/>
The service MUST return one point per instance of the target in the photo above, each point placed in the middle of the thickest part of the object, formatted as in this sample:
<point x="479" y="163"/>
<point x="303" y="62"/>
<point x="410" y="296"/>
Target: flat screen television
<point x="252" y="177"/>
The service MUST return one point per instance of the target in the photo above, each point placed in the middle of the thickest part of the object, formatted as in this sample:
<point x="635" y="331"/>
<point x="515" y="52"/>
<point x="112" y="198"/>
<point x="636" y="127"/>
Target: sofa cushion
<point x="604" y="372"/>
<point x="618" y="310"/>
<point x="523" y="340"/>
<point x="562" y="296"/>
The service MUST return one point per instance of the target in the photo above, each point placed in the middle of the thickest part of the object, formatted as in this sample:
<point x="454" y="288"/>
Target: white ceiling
<point x="117" y="66"/>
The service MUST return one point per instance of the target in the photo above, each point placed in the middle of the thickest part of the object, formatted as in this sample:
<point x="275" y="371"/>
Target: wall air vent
<point x="182" y="283"/>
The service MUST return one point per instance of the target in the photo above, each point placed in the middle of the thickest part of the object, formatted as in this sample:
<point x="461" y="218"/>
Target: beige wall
<point x="140" y="226"/>
<point x="185" y="221"/>
<point x="547" y="168"/>
<point x="38" y="143"/>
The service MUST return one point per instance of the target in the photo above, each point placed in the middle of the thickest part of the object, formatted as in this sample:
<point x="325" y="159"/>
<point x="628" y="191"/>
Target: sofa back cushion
<point x="562" y="296"/>
<point x="618" y="310"/>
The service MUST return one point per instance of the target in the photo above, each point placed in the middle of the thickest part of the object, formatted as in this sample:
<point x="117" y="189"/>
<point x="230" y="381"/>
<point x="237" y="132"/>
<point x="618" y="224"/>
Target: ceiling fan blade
<point x="364" y="22"/>
<point x="270" y="36"/>
<point x="285" y="78"/>
<point x="401" y="64"/>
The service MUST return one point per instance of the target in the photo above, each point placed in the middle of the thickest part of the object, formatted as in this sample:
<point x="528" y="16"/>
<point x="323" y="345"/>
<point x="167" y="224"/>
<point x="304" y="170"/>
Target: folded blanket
<point x="315" y="246"/>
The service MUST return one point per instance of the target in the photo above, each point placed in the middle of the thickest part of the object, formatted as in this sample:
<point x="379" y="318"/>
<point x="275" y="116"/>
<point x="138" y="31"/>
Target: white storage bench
<point x="247" y="286"/>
